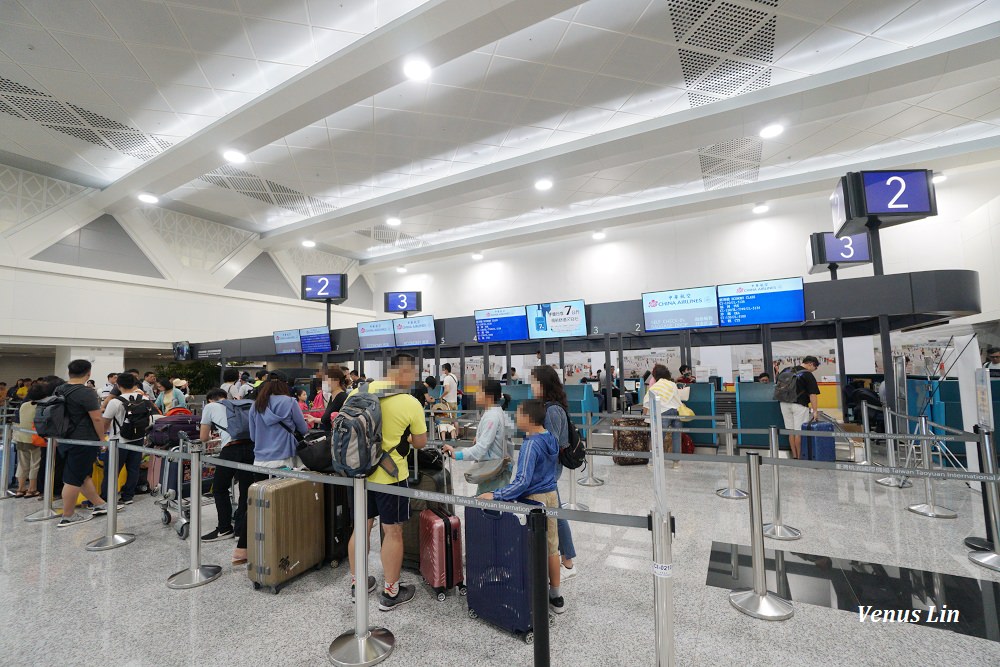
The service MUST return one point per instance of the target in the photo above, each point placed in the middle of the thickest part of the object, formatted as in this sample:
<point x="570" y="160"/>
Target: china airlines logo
<point x="399" y="327"/>
<point x="363" y="329"/>
<point x="653" y="303"/>
<point x="740" y="290"/>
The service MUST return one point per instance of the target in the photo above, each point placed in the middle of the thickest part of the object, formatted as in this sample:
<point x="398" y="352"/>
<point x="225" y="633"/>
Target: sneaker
<point x="78" y="517"/>
<point x="101" y="510"/>
<point x="127" y="502"/>
<point x="372" y="583"/>
<point x="386" y="603"/>
<point x="217" y="535"/>
<point x="568" y="573"/>
<point x="558" y="605"/>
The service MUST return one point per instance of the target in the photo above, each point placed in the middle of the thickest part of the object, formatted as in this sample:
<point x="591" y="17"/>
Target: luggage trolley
<point x="173" y="493"/>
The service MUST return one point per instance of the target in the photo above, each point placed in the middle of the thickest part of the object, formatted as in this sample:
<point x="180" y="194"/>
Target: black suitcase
<point x="339" y="523"/>
<point x="428" y="480"/>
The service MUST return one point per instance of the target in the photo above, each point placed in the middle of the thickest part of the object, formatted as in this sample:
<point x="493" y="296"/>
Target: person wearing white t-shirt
<point x="114" y="417"/>
<point x="992" y="359"/>
<point x="230" y="383"/>
<point x="449" y="389"/>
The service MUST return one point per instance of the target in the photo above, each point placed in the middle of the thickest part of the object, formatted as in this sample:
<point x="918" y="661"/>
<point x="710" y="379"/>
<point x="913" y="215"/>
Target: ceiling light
<point x="400" y="269"/>
<point x="235" y="157"/>
<point x="477" y="256"/>
<point x="599" y="236"/>
<point x="939" y="178"/>
<point x="393" y="222"/>
<point x="543" y="184"/>
<point x="772" y="130"/>
<point x="308" y="244"/>
<point x="417" y="69"/>
<point x="760" y="209"/>
<point x="147" y="198"/>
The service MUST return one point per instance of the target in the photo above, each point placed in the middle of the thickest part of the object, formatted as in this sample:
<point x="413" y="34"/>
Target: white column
<point x="104" y="360"/>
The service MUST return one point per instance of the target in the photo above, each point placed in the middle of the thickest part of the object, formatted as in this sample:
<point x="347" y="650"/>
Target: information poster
<point x="559" y="319"/>
<point x="680" y="309"/>
<point x="376" y="335"/>
<point x="315" y="340"/>
<point x="287" y="342"/>
<point x="984" y="399"/>
<point x="497" y="325"/>
<point x="762" y="302"/>
<point x="414" y="331"/>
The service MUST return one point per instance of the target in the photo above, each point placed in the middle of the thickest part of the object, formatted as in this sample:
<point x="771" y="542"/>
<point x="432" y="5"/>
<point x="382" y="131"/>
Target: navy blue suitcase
<point x="819" y="447"/>
<point x="497" y="569"/>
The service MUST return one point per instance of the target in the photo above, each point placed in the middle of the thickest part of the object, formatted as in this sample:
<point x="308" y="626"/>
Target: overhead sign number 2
<point x="324" y="283"/>
<point x="902" y="189"/>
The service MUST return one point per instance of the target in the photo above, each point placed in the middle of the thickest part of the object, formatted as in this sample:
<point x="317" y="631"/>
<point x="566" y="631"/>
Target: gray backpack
<point x="356" y="435"/>
<point x="786" y="386"/>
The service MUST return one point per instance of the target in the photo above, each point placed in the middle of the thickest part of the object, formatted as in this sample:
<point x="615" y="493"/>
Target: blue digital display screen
<point x="315" y="340"/>
<point x="402" y="302"/>
<point x="558" y="319"/>
<point x="324" y="286"/>
<point x="903" y="192"/>
<point x="498" y="325"/>
<point x="847" y="250"/>
<point x="761" y="302"/>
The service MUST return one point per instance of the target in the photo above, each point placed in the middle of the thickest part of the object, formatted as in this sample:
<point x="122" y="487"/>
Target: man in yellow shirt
<point x="402" y="416"/>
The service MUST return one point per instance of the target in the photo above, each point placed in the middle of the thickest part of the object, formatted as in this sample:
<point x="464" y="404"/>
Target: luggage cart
<point x="174" y="498"/>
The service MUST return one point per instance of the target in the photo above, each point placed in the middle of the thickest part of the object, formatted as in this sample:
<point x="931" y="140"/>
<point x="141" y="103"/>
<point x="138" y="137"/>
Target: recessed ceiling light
<point x="599" y="236"/>
<point x="477" y="256"/>
<point x="772" y="130"/>
<point x="417" y="69"/>
<point x="393" y="222"/>
<point x="543" y="184"/>
<point x="760" y="209"/>
<point x="400" y="269"/>
<point x="234" y="156"/>
<point x="147" y="198"/>
<point x="308" y="244"/>
<point x="939" y="178"/>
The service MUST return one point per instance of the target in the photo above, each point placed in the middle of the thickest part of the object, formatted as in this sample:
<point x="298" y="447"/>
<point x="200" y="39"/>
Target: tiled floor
<point x="61" y="605"/>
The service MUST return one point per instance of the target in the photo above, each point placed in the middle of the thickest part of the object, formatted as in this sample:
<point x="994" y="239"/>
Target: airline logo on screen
<point x="682" y="299"/>
<point x="757" y="288"/>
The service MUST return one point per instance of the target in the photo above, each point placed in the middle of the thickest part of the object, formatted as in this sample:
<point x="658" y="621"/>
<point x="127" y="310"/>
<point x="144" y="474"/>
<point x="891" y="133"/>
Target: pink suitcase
<point x="441" y="551"/>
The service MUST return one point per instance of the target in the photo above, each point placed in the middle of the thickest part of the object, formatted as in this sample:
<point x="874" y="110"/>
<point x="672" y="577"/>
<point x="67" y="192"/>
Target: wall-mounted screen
<point x="182" y="350"/>
<point x="902" y="192"/>
<point x="320" y="287"/>
<point x="315" y="340"/>
<point x="680" y="309"/>
<point x="761" y="302"/>
<point x="376" y="335"/>
<point x="558" y="319"/>
<point x="414" y="331"/>
<point x="403" y="302"/>
<point x="498" y="325"/>
<point x="287" y="342"/>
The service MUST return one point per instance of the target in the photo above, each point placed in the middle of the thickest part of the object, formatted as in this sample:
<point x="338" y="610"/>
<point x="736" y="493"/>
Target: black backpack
<point x="574" y="454"/>
<point x="138" y="418"/>
<point x="51" y="417"/>
<point x="786" y="386"/>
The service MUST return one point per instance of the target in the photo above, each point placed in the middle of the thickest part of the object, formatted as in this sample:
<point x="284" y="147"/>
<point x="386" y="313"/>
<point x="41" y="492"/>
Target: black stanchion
<point x="539" y="550"/>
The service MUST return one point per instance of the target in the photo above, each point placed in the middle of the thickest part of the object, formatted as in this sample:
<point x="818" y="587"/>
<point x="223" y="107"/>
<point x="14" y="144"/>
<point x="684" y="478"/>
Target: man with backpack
<point x="231" y="419"/>
<point x="128" y="416"/>
<point x="400" y="412"/>
<point x="796" y="391"/>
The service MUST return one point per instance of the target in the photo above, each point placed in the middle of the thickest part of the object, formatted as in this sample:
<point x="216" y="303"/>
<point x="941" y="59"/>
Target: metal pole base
<point x="978" y="544"/>
<point x="576" y="506"/>
<point x="193" y="578"/>
<point x="781" y="532"/>
<point x="932" y="511"/>
<point x="42" y="515"/>
<point x="987" y="559"/>
<point x="115" y="541"/>
<point x="591" y="481"/>
<point x="732" y="494"/>
<point x="348" y="650"/>
<point x="895" y="482"/>
<point x="767" y="607"/>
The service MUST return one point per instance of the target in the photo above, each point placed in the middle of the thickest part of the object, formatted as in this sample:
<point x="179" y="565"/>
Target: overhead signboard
<point x="287" y="342"/>
<point x="761" y="302"/>
<point x="403" y="302"/>
<point x="498" y="325"/>
<point x="689" y="308"/>
<point x="414" y="331"/>
<point x="376" y="335"/>
<point x="315" y="340"/>
<point x="826" y="249"/>
<point x="325" y="287"/>
<point x="888" y="197"/>
<point x="558" y="319"/>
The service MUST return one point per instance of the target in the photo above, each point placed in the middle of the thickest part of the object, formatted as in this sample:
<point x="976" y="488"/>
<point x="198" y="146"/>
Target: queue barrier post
<point x="930" y="508"/>
<point x="758" y="602"/>
<point x="47" y="512"/>
<point x="866" y="426"/>
<point x="538" y="544"/>
<point x="663" y="587"/>
<point x="112" y="539"/>
<point x="6" y="440"/>
<point x="777" y="530"/>
<point x="573" y="504"/>
<point x="590" y="479"/>
<point x="730" y="492"/>
<point x="890" y="448"/>
<point x="989" y="559"/>
<point x="364" y="645"/>
<point x="196" y="574"/>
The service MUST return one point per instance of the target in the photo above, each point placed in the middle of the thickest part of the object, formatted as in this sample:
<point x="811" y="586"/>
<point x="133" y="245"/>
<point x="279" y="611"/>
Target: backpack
<point x="786" y="386"/>
<point x="137" y="420"/>
<point x="237" y="418"/>
<point x="574" y="454"/>
<point x="51" y="417"/>
<point x="356" y="436"/>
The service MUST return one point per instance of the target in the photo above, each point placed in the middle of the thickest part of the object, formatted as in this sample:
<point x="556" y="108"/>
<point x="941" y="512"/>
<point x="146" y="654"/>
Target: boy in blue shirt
<point x="537" y="472"/>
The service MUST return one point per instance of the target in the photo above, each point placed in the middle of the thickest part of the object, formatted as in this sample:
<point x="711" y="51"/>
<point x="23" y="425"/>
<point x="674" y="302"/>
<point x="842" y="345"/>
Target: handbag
<point x="685" y="411"/>
<point x="487" y="471"/>
<point x="313" y="449"/>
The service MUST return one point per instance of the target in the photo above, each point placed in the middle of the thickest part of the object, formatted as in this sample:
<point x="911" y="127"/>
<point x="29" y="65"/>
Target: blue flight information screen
<point x="903" y="192"/>
<point x="315" y="340"/>
<point x="761" y="302"/>
<point x="497" y="325"/>
<point x="558" y="319"/>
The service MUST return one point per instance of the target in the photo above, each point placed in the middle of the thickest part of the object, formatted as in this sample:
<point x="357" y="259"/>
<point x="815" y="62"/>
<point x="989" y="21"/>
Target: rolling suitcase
<point x="285" y="528"/>
<point x="441" y="551"/>
<point x="427" y="480"/>
<point x="339" y="523"/>
<point x="165" y="431"/>
<point x="630" y="441"/>
<point x="498" y="573"/>
<point x="819" y="447"/>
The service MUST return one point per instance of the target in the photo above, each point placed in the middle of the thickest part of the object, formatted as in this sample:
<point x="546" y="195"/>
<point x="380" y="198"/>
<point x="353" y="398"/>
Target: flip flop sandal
<point x="33" y="495"/>
<point x="20" y="494"/>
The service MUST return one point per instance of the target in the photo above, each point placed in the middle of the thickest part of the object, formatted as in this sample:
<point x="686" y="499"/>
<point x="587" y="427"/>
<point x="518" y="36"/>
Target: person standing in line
<point x="149" y="384"/>
<point x="114" y="417"/>
<point x="423" y="391"/>
<point x="798" y="394"/>
<point x="339" y="384"/>
<point x="545" y="385"/>
<point x="449" y="384"/>
<point x="170" y="397"/>
<point x="669" y="400"/>
<point x="992" y="359"/>
<point x="230" y="377"/>
<point x="492" y="437"/>
<point x="29" y="445"/>
<point x="214" y="417"/>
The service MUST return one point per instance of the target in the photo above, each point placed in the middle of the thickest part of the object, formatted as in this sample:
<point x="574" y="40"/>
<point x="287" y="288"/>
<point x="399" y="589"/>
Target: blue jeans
<point x="130" y="461"/>
<point x="672" y="423"/>
<point x="566" y="547"/>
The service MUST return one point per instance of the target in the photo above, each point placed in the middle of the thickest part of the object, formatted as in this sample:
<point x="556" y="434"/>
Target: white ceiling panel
<point x="140" y="22"/>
